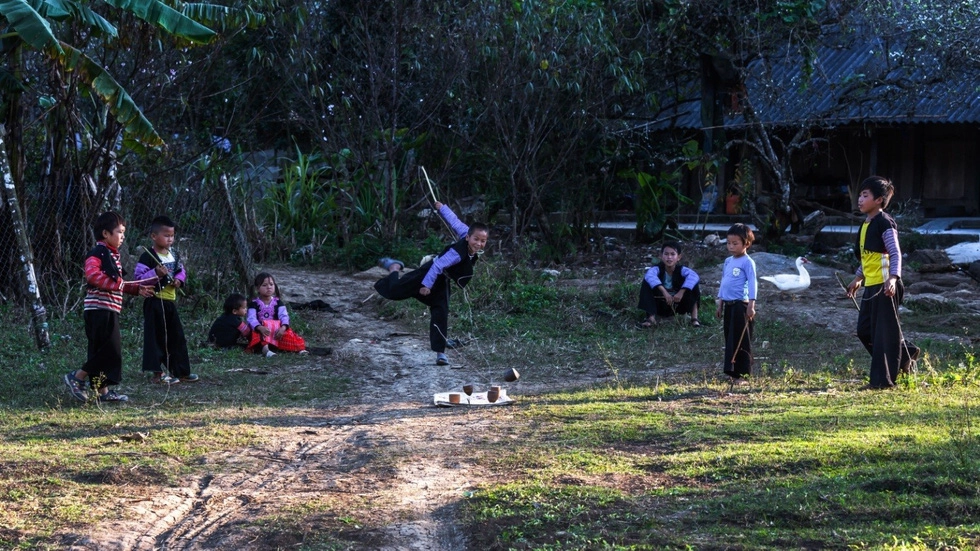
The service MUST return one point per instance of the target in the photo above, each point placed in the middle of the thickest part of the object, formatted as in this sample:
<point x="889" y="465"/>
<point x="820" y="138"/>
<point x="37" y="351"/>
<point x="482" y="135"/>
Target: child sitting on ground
<point x="269" y="320"/>
<point x="230" y="329"/>
<point x="670" y="288"/>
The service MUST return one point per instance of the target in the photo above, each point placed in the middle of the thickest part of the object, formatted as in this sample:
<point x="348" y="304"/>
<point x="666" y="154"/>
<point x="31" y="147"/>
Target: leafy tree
<point x="72" y="72"/>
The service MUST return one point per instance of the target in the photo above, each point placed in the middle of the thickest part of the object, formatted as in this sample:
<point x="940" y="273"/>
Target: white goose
<point x="792" y="283"/>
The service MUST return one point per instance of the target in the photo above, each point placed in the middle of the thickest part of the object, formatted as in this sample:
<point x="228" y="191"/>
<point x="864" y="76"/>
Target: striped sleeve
<point x="97" y="278"/>
<point x="890" y="238"/>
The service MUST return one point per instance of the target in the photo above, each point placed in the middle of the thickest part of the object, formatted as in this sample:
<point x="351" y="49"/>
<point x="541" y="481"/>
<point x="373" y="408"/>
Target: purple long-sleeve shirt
<point x="266" y="312"/>
<point x="147" y="272"/>
<point x="738" y="279"/>
<point x="689" y="278"/>
<point x="450" y="257"/>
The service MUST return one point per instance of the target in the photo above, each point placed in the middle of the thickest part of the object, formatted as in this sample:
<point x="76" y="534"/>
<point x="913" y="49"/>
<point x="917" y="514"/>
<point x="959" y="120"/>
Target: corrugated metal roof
<point x="855" y="83"/>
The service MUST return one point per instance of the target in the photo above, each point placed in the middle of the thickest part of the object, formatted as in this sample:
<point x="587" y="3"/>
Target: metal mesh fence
<point x="214" y="236"/>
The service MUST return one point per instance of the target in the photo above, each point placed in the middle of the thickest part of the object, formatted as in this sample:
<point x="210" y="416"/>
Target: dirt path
<point x="386" y="455"/>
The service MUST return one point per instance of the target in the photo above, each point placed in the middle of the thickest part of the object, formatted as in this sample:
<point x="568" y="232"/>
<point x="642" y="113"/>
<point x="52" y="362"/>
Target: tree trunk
<point x="242" y="248"/>
<point x="29" y="289"/>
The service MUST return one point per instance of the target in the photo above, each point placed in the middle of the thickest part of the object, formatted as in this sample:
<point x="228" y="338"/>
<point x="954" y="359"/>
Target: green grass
<point x="63" y="461"/>
<point x="640" y="446"/>
<point x="636" y="468"/>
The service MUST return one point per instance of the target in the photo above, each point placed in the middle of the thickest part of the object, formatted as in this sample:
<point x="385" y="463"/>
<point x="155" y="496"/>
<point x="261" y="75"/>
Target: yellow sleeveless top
<point x="874" y="265"/>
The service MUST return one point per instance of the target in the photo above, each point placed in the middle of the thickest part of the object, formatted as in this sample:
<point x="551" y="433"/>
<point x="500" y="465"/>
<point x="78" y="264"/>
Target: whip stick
<point x="432" y="193"/>
<point x="840" y="281"/>
<point x="738" y="347"/>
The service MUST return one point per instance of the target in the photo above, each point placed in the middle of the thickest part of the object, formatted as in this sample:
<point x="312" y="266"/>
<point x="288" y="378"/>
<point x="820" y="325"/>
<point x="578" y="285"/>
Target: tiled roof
<point x="841" y="90"/>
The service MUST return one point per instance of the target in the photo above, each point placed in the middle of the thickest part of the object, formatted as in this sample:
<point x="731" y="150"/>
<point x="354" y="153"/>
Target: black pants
<point x="163" y="338"/>
<point x="738" y="339"/>
<point x="652" y="302"/>
<point x="400" y="287"/>
<point x="879" y="331"/>
<point x="104" y="365"/>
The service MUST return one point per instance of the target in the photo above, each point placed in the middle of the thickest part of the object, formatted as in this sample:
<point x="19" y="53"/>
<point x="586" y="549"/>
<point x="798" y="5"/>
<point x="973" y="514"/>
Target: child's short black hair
<point x="671" y="245"/>
<point x="478" y="226"/>
<point x="741" y="230"/>
<point x="107" y="222"/>
<point x="161" y="222"/>
<point x="234" y="302"/>
<point x="879" y="186"/>
<point x="260" y="279"/>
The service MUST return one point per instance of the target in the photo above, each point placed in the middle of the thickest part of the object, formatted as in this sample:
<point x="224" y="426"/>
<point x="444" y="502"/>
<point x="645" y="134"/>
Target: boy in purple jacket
<point x="164" y="344"/>
<point x="430" y="284"/>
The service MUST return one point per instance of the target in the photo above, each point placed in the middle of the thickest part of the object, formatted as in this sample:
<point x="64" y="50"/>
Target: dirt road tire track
<point x="398" y="456"/>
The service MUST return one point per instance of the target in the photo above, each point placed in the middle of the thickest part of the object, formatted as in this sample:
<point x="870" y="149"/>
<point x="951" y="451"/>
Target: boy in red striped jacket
<point x="103" y="303"/>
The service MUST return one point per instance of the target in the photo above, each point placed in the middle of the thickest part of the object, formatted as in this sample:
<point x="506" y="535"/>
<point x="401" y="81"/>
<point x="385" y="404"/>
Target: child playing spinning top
<point x="880" y="273"/>
<point x="430" y="284"/>
<point x="736" y="303"/>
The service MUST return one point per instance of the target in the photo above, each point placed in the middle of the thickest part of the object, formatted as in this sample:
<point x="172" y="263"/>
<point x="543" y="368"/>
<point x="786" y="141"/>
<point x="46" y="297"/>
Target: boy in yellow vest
<point x="880" y="273"/>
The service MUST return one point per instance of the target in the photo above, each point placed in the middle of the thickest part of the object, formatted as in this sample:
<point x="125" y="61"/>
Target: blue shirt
<point x="738" y="281"/>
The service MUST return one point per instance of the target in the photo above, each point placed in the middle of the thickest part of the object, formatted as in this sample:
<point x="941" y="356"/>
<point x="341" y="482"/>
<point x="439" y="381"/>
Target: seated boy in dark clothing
<point x="230" y="329"/>
<point x="670" y="288"/>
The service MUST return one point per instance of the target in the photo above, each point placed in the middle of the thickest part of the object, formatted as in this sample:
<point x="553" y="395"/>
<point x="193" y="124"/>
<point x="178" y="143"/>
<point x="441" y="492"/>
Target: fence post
<point x="242" y="249"/>
<point x="29" y="289"/>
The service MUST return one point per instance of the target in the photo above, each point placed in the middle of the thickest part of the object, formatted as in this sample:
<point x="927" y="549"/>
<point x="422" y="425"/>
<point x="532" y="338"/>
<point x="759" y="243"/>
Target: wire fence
<point x="215" y="235"/>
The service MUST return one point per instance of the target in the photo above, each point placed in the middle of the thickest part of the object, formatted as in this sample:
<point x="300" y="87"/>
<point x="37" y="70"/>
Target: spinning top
<point x="511" y="375"/>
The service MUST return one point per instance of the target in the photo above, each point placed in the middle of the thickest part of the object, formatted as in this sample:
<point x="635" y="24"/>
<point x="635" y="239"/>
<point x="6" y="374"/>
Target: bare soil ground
<point x="395" y="463"/>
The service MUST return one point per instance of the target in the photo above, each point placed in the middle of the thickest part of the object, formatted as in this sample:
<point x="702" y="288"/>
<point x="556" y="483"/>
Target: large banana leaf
<point x="167" y="18"/>
<point x="222" y="17"/>
<point x="61" y="10"/>
<point x="120" y="104"/>
<point x="30" y="25"/>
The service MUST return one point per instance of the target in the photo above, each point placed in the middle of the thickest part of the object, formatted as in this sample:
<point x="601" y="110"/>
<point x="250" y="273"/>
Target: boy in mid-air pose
<point x="430" y="284"/>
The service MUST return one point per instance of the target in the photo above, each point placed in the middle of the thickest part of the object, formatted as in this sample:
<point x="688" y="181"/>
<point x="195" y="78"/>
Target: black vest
<point x="675" y="281"/>
<point x="462" y="272"/>
<point x="109" y="266"/>
<point x="872" y="237"/>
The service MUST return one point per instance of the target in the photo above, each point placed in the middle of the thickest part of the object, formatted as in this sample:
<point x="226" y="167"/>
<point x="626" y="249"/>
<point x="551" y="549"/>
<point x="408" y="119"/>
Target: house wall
<point x="934" y="167"/>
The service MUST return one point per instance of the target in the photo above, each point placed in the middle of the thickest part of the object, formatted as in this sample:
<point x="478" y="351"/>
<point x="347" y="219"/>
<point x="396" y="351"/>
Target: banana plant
<point x="30" y="23"/>
<point x="30" y="27"/>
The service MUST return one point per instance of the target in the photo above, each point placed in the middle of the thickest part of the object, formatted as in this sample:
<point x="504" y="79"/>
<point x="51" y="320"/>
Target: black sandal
<point x="695" y="323"/>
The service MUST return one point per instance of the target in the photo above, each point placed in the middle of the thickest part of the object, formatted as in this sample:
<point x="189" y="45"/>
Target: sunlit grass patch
<point x="765" y="469"/>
